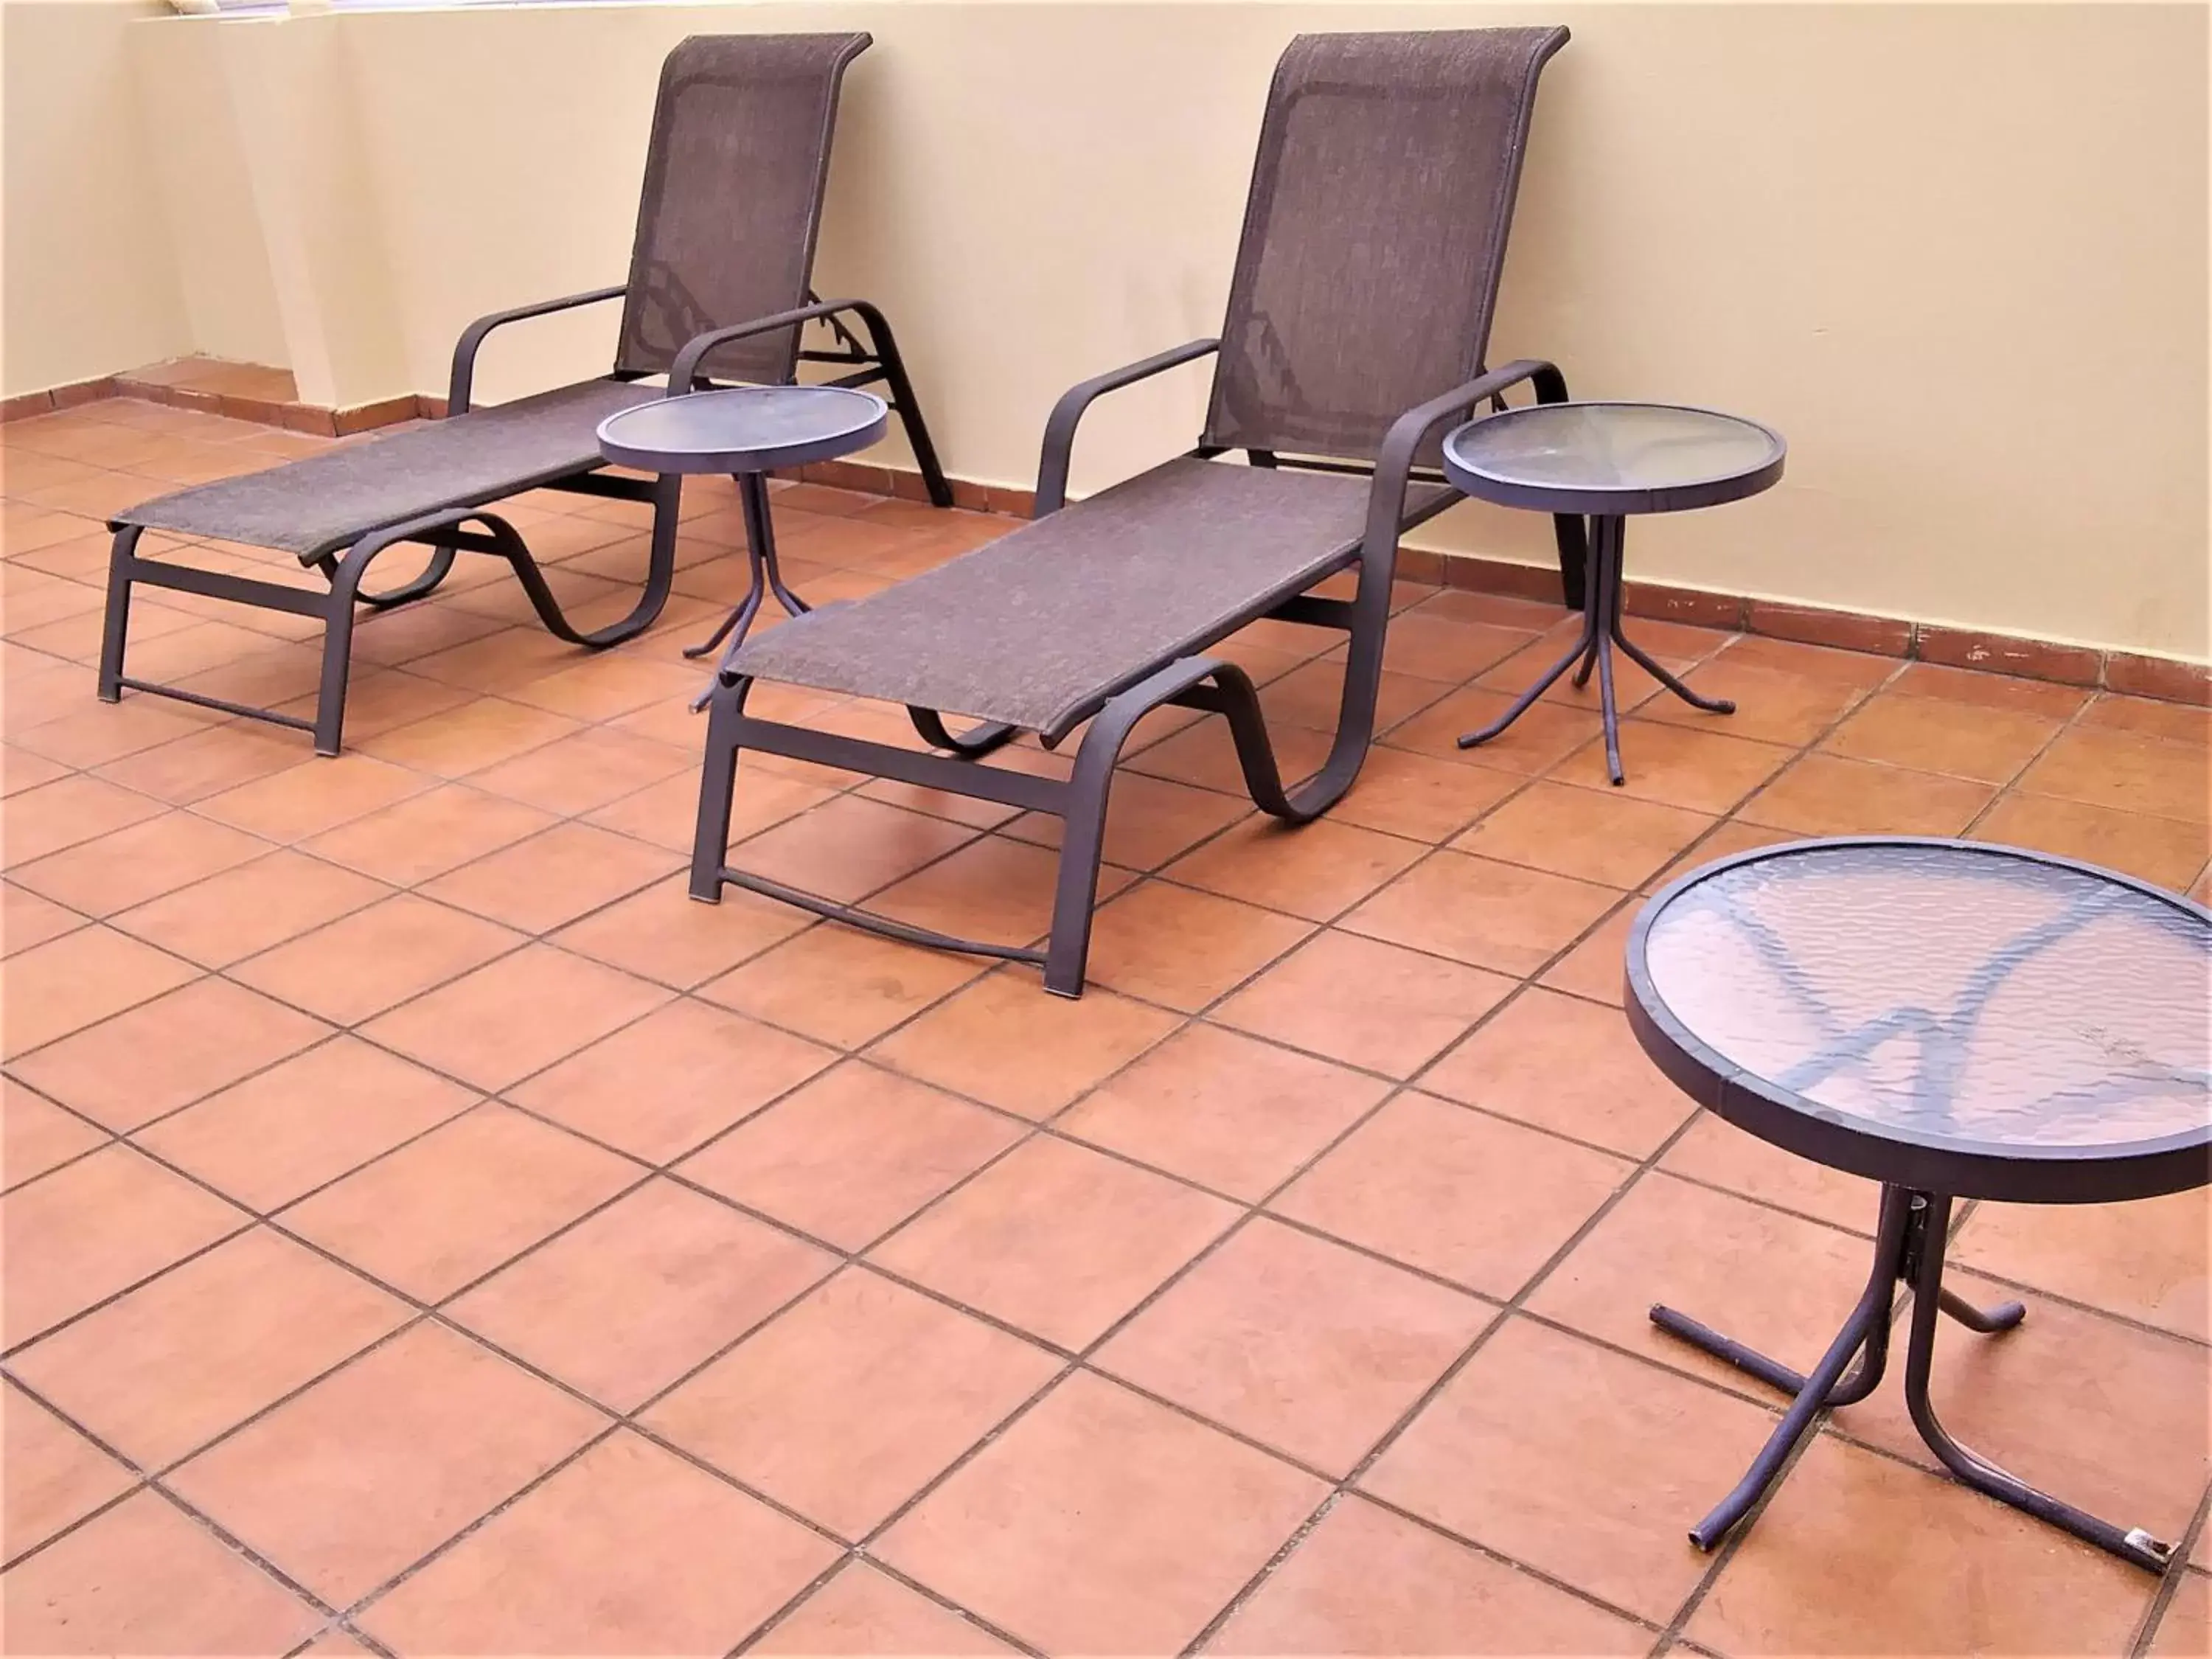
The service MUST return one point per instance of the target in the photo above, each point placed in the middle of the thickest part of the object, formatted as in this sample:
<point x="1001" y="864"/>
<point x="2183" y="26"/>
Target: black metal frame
<point x="1197" y="681"/>
<point x="442" y="531"/>
<point x="1921" y="1177"/>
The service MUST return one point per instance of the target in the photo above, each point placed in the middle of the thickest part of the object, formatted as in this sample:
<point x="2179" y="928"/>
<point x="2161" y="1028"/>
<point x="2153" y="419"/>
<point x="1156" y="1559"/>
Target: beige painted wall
<point x="88" y="279"/>
<point x="1957" y="253"/>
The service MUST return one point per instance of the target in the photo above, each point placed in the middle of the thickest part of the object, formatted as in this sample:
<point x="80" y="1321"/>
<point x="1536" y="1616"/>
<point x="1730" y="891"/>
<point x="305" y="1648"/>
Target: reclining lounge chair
<point x="1357" y="316"/>
<point x="726" y="232"/>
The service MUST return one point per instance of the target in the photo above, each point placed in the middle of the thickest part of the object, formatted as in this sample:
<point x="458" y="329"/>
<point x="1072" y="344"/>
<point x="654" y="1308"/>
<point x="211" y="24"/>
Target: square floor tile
<point x="1579" y="1461"/>
<point x="36" y="1135"/>
<point x="629" y="1299"/>
<point x="307" y="799"/>
<point x="1475" y="1200"/>
<point x="71" y="981"/>
<point x="1600" y="835"/>
<point x="28" y="920"/>
<point x="839" y="985"/>
<point x="356" y="1479"/>
<point x="502" y="1022"/>
<point x="1368" y="1582"/>
<point x="469" y="738"/>
<point x="553" y="877"/>
<point x="50" y="1475"/>
<point x="2187" y="1626"/>
<point x="667" y="813"/>
<point x="94" y="1227"/>
<point x="44" y="821"/>
<point x="849" y="847"/>
<point x="1989" y="745"/>
<point x="1425" y="800"/>
<point x="1773" y="704"/>
<point x="363" y="963"/>
<point x="1148" y="820"/>
<point x="279" y="1134"/>
<point x="1057" y="1240"/>
<point x="146" y="1578"/>
<point x="1222" y="1109"/>
<point x="677" y="1077"/>
<point x="449" y="1207"/>
<point x="248" y="909"/>
<point x="1102" y="1523"/>
<point x="863" y="1611"/>
<point x="1594" y="969"/>
<point x="427" y="834"/>
<point x="1830" y="795"/>
<point x="1715" y="1151"/>
<point x="2150" y="1261"/>
<point x="993" y="888"/>
<point x="129" y="867"/>
<point x="1854" y="1553"/>
<point x="1183" y="948"/>
<point x="1544" y="734"/>
<point x="629" y="1549"/>
<point x="853" y="1400"/>
<point x="1314" y="871"/>
<point x="1297" y="1343"/>
<point x="2166" y="851"/>
<point x="1702" y="770"/>
<point x="1365" y="1003"/>
<point x="164" y="1054"/>
<point x="1479" y="911"/>
<point x="584" y="771"/>
<point x="852" y="1154"/>
<point x="159" y="1372"/>
<point x="1567" y="1066"/>
<point x="662" y="933"/>
<point x="2126" y="771"/>
<point x="207" y="762"/>
<point x="1204" y="755"/>
<point x="2108" y="1416"/>
<point x="1065" y="1047"/>
<point x="1782" y="1285"/>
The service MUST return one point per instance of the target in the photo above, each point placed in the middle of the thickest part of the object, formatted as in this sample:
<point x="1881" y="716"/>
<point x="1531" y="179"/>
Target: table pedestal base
<point x="760" y="553"/>
<point x="1909" y="1248"/>
<point x="1594" y="650"/>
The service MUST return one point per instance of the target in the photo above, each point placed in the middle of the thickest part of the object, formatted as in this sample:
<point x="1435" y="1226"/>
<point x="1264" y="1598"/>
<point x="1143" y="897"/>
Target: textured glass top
<point x="1625" y="447"/>
<point x="1952" y="993"/>
<point x="747" y="418"/>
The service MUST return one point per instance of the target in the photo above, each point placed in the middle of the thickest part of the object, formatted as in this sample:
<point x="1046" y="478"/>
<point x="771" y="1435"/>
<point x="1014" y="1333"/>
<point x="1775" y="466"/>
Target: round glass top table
<point x="1953" y="1019"/>
<point x="1605" y="461"/>
<point x="746" y="431"/>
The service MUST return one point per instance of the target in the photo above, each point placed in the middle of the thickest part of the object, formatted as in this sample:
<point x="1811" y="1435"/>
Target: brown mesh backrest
<point x="733" y="198"/>
<point x="1374" y="234"/>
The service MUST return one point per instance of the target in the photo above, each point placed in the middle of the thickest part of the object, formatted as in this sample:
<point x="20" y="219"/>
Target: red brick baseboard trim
<point x="2167" y="678"/>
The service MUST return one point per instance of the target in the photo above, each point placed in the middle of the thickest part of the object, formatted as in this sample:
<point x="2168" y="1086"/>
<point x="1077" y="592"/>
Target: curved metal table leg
<point x="767" y="574"/>
<point x="1929" y="1298"/>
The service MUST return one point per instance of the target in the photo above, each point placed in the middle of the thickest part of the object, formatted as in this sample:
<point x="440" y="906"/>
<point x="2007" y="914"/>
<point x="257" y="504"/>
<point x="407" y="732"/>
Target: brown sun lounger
<point x="1358" y="313"/>
<point x="727" y="225"/>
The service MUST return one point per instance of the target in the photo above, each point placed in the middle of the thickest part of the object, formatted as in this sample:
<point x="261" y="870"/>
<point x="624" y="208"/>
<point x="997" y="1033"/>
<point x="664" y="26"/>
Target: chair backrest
<point x="731" y="203"/>
<point x="1374" y="234"/>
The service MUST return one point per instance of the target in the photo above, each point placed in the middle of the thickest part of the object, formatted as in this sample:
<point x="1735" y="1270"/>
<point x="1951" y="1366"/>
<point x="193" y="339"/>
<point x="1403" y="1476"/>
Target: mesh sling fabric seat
<point x="718" y="289"/>
<point x="1359" y="312"/>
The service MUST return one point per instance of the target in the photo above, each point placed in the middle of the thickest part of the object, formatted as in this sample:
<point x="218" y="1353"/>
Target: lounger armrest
<point x="1059" y="429"/>
<point x="1394" y="465"/>
<point x="683" y="374"/>
<point x="458" y="389"/>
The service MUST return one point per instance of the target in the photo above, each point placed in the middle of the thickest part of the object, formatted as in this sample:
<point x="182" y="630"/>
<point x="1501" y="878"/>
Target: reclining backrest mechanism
<point x="1374" y="234"/>
<point x="731" y="203"/>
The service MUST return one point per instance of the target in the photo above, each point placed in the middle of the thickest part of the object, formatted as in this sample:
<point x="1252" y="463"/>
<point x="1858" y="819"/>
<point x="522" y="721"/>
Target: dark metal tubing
<point x="1067" y="414"/>
<point x="1601" y="631"/>
<point x="684" y="375"/>
<point x="976" y="741"/>
<point x="463" y="382"/>
<point x="1909" y="1248"/>
<point x="2131" y="1544"/>
<point x="767" y="575"/>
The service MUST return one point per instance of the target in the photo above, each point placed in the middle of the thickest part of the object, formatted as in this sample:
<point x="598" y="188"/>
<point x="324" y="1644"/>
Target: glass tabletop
<point x="1975" y="997"/>
<point x="752" y="420"/>
<point x="1630" y="447"/>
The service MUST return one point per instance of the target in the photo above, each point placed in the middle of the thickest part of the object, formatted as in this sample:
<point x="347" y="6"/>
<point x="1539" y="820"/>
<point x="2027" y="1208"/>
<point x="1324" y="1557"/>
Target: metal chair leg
<point x="116" y="625"/>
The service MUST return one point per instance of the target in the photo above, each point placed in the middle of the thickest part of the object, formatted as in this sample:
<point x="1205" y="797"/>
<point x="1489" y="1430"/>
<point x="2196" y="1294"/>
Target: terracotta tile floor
<point x="427" y="1231"/>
